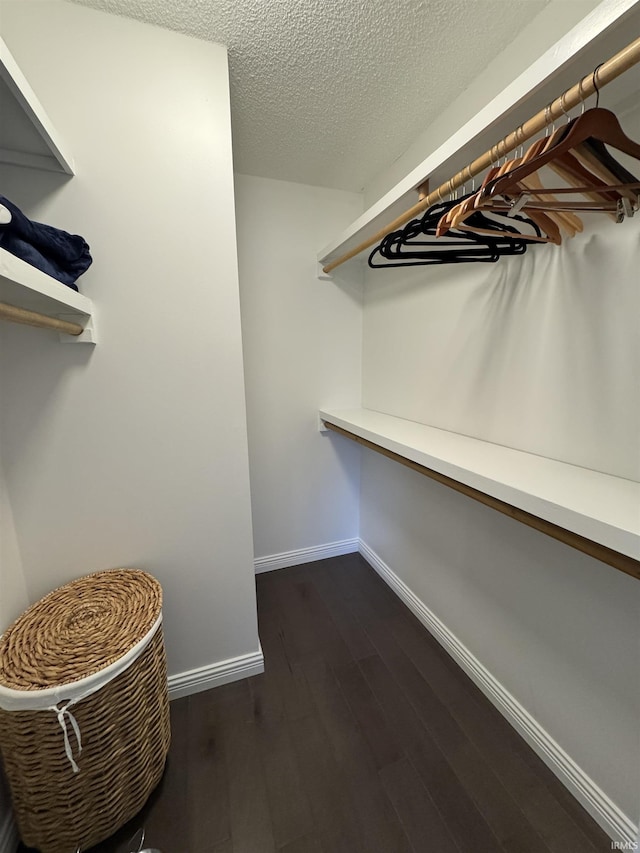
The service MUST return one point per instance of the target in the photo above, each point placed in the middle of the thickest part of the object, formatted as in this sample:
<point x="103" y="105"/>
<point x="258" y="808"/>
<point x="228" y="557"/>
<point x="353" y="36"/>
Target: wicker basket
<point x="84" y="712"/>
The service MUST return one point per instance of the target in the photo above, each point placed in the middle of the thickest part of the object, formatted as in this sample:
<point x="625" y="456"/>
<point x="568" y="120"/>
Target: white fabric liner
<point x="58" y="699"/>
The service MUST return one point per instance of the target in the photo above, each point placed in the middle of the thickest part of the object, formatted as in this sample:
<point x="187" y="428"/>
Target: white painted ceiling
<point x="330" y="92"/>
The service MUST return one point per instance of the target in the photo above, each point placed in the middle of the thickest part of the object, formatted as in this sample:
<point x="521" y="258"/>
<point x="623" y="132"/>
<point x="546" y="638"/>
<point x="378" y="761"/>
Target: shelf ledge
<point x="594" y="512"/>
<point x="27" y="136"/>
<point x="26" y="287"/>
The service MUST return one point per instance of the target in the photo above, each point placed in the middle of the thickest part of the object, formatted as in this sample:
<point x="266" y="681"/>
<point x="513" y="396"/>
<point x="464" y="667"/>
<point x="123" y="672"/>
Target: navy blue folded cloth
<point x="59" y="254"/>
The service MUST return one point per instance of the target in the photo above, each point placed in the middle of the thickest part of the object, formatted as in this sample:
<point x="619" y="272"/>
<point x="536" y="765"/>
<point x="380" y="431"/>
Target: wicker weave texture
<point x="79" y="629"/>
<point x="125" y="739"/>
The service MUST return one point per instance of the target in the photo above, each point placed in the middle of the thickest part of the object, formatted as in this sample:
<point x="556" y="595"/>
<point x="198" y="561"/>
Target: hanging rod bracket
<point x="321" y="274"/>
<point x="423" y="189"/>
<point x="88" y="335"/>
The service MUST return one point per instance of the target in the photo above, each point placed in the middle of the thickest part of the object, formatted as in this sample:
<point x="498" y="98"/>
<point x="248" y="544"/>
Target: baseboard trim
<point x="305" y="555"/>
<point x="215" y="674"/>
<point x="604" y="811"/>
<point x="9" y="839"/>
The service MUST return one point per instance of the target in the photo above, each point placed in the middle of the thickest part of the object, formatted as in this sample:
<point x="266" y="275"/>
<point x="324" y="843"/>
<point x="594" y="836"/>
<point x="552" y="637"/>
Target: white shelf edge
<point x="560" y="55"/>
<point x="600" y="507"/>
<point x="88" y="335"/>
<point x="25" y="286"/>
<point x="26" y="97"/>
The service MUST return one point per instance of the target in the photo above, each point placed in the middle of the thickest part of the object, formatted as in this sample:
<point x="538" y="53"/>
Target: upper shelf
<point x="602" y="33"/>
<point x="598" y="507"/>
<point x="27" y="136"/>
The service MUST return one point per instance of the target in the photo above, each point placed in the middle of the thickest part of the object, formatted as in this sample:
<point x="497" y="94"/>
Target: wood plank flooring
<point x="362" y="736"/>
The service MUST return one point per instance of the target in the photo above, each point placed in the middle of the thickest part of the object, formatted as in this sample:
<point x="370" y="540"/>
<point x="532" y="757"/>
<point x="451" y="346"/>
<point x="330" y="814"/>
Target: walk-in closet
<point x="346" y="358"/>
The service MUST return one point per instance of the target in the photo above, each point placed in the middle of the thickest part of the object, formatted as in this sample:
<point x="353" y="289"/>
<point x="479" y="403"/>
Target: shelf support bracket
<point x="321" y="274"/>
<point x="88" y="335"/>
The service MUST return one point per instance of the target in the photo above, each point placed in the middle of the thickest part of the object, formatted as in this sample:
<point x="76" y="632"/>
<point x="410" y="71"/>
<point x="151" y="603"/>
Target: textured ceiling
<point x="329" y="92"/>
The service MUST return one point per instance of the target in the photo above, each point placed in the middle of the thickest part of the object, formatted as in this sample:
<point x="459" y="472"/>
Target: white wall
<point x="541" y="353"/>
<point x="302" y="343"/>
<point x="527" y="353"/>
<point x="13" y="587"/>
<point x="134" y="453"/>
<point x="558" y="629"/>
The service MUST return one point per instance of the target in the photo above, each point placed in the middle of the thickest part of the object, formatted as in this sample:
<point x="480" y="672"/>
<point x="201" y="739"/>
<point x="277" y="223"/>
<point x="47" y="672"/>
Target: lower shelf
<point x="593" y="512"/>
<point x="24" y="287"/>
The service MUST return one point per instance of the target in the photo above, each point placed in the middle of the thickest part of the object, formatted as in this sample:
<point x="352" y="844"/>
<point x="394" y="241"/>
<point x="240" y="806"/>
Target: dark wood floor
<point x="362" y="736"/>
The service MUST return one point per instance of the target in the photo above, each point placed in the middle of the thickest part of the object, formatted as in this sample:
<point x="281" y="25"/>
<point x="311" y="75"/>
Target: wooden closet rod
<point x="32" y="318"/>
<point x="619" y="561"/>
<point x="589" y="85"/>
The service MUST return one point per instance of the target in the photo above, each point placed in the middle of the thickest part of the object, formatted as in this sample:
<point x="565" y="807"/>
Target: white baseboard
<point x="215" y="674"/>
<point x="9" y="835"/>
<point x="604" y="811"/>
<point x="305" y="555"/>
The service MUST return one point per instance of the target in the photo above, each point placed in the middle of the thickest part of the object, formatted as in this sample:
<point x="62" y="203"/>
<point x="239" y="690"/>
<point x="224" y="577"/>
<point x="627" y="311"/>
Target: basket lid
<point x="79" y="629"/>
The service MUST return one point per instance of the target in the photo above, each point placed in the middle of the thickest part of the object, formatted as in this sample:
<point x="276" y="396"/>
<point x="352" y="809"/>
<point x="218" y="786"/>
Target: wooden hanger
<point x="548" y="225"/>
<point x="456" y="216"/>
<point x="574" y="174"/>
<point x="572" y="223"/>
<point x="563" y="219"/>
<point x="578" y="154"/>
<point x="588" y="167"/>
<point x="599" y="123"/>
<point x="601" y="163"/>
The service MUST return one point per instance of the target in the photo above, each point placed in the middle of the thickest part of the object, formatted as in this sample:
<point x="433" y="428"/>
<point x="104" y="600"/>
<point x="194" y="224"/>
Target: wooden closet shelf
<point x="26" y="287"/>
<point x="593" y="512"/>
<point x="27" y="136"/>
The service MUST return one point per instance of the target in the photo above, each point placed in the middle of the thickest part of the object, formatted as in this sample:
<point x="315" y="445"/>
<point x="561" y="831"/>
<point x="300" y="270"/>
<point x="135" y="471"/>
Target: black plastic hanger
<point x="407" y="248"/>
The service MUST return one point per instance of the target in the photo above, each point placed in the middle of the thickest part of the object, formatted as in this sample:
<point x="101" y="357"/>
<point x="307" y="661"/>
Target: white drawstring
<point x="62" y="711"/>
